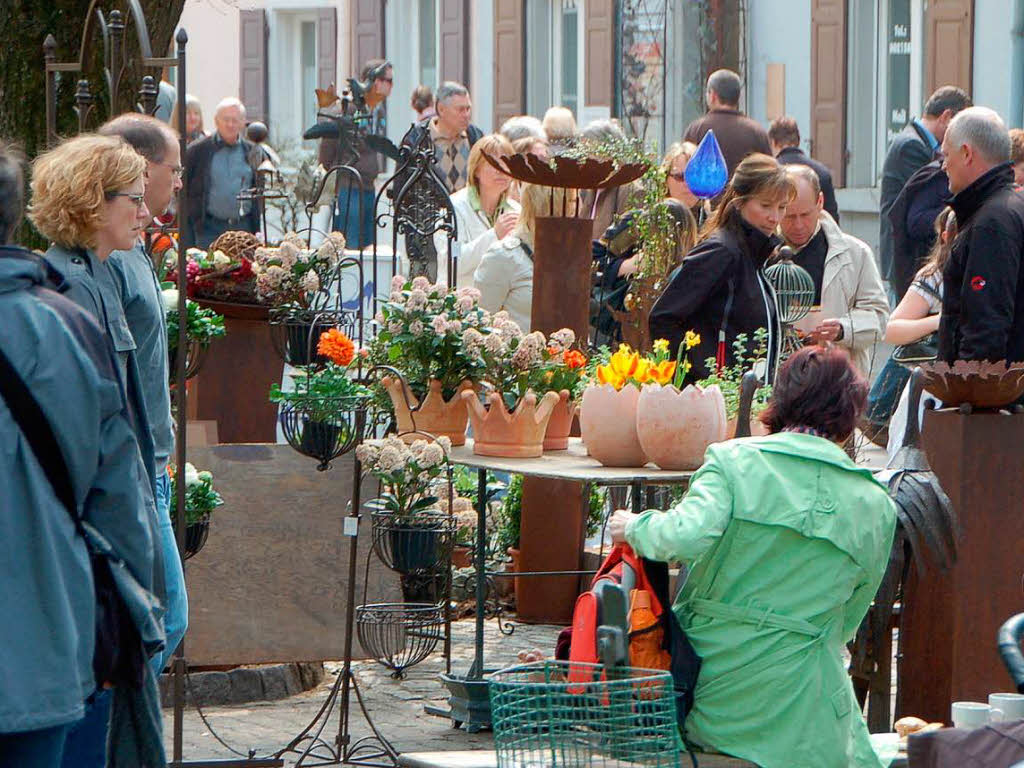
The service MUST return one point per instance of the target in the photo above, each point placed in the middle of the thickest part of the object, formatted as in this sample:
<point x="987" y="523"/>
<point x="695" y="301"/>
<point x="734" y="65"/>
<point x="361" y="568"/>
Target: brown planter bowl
<point x="981" y="384"/>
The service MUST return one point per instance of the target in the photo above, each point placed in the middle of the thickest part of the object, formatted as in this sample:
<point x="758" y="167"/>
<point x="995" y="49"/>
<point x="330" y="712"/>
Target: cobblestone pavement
<point x="397" y="706"/>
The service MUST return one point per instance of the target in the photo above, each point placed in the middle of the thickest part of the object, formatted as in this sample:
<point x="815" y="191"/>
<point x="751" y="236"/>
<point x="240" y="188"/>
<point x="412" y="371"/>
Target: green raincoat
<point x="787" y="540"/>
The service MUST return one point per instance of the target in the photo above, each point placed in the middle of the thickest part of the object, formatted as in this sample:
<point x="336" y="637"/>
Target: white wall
<point x="212" y="51"/>
<point x="992" y="69"/>
<point x="780" y="32"/>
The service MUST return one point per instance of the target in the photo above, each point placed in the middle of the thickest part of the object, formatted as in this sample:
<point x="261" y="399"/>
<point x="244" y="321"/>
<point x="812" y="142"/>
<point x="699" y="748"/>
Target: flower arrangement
<point x="729" y="379"/>
<point x="423" y="331"/>
<point x="200" y="496"/>
<point x="212" y="275"/>
<point x="408" y="473"/>
<point x="293" y="274"/>
<point x="325" y="391"/>
<point x="627" y="366"/>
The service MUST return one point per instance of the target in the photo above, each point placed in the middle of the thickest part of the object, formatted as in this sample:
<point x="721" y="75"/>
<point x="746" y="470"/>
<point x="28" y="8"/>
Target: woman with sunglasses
<point x="88" y="199"/>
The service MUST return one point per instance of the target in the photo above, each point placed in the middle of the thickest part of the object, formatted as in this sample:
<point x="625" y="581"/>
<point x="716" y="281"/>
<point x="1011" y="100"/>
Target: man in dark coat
<point x="912" y="218"/>
<point x="219" y="167"/>
<point x="914" y="146"/>
<point x="737" y="134"/>
<point x="983" y="283"/>
<point x="784" y="136"/>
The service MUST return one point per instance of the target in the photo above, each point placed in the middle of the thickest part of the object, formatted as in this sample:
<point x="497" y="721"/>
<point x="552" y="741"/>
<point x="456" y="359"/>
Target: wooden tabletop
<point x="571" y="464"/>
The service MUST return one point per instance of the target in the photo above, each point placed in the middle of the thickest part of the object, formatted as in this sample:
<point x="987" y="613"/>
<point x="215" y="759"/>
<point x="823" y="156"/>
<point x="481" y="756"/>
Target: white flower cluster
<point x="292" y="268"/>
<point x="529" y="352"/>
<point x="391" y="454"/>
<point x="562" y="339"/>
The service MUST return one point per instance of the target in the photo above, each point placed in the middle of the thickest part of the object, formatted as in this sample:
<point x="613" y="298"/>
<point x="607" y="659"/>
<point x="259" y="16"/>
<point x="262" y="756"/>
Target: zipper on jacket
<point x="774" y="343"/>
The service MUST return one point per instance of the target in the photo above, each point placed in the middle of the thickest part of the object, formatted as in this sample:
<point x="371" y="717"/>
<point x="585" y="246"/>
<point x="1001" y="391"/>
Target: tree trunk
<point x="24" y="25"/>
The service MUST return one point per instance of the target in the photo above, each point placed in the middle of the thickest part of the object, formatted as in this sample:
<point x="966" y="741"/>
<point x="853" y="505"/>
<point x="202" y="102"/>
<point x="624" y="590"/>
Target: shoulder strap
<point x="36" y="428"/>
<point x="924" y="286"/>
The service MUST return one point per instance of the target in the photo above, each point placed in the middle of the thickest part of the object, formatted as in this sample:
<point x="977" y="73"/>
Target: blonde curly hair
<point x="71" y="182"/>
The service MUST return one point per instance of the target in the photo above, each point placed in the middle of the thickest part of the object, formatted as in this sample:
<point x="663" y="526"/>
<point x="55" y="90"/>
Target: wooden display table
<point x="233" y="386"/>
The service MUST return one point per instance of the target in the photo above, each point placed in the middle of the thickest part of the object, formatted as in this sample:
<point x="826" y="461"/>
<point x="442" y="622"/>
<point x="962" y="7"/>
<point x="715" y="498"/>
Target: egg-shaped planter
<point x="675" y="428"/>
<point x="608" y="425"/>
<point x="556" y="438"/>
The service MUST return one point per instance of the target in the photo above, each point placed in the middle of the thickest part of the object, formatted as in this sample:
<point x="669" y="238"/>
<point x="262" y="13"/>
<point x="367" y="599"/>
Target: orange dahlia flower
<point x="336" y="346"/>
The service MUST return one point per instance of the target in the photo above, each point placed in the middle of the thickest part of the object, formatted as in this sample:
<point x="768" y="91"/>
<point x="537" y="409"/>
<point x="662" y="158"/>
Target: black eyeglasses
<point x="138" y="199"/>
<point x="177" y="170"/>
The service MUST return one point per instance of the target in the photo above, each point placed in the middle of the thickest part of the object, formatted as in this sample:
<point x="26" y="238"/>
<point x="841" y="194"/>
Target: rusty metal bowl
<point x="567" y="172"/>
<point x="980" y="384"/>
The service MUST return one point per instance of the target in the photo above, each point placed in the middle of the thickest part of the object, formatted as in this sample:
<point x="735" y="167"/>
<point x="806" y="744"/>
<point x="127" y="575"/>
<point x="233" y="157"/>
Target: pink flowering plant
<point x="292" y="274"/>
<point x="515" y="363"/>
<point x="408" y="474"/>
<point x="421" y="330"/>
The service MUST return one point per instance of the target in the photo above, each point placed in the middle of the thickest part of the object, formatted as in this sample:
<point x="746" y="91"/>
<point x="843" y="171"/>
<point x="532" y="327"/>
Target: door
<point x="949" y="35"/>
<point x="828" y="85"/>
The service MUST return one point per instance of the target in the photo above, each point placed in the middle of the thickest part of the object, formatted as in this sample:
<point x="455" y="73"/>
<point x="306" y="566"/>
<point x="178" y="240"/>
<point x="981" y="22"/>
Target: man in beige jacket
<point x="851" y="308"/>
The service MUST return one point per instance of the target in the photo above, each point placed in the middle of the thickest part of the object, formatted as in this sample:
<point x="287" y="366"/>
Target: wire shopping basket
<point x="562" y="714"/>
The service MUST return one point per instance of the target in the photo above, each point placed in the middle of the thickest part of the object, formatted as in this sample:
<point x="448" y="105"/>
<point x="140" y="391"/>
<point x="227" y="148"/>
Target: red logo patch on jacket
<point x="977" y="283"/>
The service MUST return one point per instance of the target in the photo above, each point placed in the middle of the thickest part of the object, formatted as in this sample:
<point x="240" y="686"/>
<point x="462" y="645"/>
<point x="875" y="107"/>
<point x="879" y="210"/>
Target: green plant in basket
<point x="323" y="393"/>
<point x="202" y="326"/>
<point x="200" y="496"/>
<point x="509" y="517"/>
<point x="408" y="474"/>
<point x="746" y="355"/>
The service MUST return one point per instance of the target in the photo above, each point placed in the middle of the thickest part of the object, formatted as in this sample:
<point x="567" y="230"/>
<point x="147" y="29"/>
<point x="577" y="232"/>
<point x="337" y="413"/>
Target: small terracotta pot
<point x="675" y="428"/>
<point x="516" y="435"/>
<point x="556" y="438"/>
<point x="608" y="425"/>
<point x="437" y="416"/>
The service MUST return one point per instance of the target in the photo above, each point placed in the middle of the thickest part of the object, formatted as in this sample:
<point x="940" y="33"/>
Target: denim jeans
<point x="33" y="749"/>
<point x="86" y="744"/>
<point x="176" y="614"/>
<point x="358" y="232"/>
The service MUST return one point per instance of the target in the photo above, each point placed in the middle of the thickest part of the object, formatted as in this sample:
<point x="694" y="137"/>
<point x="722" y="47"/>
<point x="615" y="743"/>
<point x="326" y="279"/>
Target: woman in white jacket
<point x="484" y="213"/>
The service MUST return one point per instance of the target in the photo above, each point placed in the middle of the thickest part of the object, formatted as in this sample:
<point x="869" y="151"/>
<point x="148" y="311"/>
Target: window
<point x="553" y="46"/>
<point x="570" y="57"/>
<point x="428" y="43"/>
<point x="307" y="55"/>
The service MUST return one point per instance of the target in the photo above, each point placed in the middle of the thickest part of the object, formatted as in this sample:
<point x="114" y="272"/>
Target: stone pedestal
<point x="233" y="386"/>
<point x="949" y="622"/>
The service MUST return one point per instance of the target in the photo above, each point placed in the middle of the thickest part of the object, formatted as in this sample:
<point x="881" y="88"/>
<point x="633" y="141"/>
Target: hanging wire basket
<point x="295" y="331"/>
<point x="420" y="544"/>
<point x="195" y="537"/>
<point x="195" y="356"/>
<point x="323" y="428"/>
<point x="399" y="635"/>
<point x="573" y="714"/>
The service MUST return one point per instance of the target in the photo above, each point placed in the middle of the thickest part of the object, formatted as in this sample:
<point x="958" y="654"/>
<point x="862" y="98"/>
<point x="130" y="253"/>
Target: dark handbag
<point x="118" y="658"/>
<point x="923" y="350"/>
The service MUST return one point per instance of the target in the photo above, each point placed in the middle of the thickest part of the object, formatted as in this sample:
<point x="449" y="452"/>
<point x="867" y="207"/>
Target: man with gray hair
<point x="737" y="134"/>
<point x="983" y="282"/>
<point x="451" y="132"/>
<point x="220" y="166"/>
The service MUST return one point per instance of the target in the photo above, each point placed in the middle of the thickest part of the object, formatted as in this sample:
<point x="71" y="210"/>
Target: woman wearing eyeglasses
<point x="88" y="199"/>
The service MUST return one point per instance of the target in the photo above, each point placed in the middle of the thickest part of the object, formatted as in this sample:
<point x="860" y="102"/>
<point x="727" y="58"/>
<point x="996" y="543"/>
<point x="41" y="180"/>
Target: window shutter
<point x="949" y="26"/>
<point x="253" y="61"/>
<point x="452" y="20"/>
<point x="509" y="59"/>
<point x="367" y="33"/>
<point x="327" y="47"/>
<point x="598" y="49"/>
<point x="828" y="85"/>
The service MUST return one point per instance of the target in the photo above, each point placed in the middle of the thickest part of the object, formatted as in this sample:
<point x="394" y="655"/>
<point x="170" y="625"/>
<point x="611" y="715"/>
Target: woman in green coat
<point x="787" y="540"/>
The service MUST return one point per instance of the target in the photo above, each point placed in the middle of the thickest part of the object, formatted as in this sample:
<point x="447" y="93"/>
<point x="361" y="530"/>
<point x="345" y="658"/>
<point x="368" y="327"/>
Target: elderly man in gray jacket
<point x="61" y="356"/>
<point x="851" y="308"/>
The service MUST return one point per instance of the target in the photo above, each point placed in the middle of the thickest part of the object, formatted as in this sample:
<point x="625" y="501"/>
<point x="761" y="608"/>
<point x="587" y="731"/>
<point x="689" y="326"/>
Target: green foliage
<point x="203" y="324"/>
<point x="322" y="393"/>
<point x="200" y="496"/>
<point x="507" y="531"/>
<point x="746" y="355"/>
<point x="407" y="473"/>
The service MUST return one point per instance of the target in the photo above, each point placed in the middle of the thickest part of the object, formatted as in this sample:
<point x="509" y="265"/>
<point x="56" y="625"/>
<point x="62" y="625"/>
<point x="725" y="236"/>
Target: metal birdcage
<point x="794" y="289"/>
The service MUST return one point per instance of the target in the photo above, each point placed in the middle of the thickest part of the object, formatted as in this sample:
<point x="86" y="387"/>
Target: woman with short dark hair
<point x="787" y="540"/>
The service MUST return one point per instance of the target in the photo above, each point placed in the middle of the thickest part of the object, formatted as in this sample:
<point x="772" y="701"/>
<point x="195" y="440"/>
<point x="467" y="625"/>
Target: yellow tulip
<point x="663" y="372"/>
<point x="607" y="375"/>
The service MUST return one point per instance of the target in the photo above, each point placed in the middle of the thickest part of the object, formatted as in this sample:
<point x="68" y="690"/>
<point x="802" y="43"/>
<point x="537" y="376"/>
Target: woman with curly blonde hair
<point x="88" y="199"/>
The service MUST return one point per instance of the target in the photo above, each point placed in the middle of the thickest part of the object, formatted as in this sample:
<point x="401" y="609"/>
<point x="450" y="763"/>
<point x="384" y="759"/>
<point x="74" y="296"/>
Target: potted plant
<point x="294" y="280"/>
<point x="746" y="356"/>
<point x="564" y="369"/>
<point x="202" y="326"/>
<point x="511" y="421"/>
<point x="675" y="425"/>
<point x="200" y="500"/>
<point x="410" y="532"/>
<point x="420" y="334"/>
<point x="317" y="413"/>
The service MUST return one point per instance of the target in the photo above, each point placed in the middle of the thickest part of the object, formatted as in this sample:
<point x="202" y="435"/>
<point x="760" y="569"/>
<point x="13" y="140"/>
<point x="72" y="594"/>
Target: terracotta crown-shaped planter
<point x="608" y="425"/>
<point x="675" y="428"/>
<point x="436" y="416"/>
<point x="516" y="435"/>
<point x="557" y="436"/>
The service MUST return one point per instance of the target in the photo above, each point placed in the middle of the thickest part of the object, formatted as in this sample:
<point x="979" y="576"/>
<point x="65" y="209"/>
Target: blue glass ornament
<point x="706" y="173"/>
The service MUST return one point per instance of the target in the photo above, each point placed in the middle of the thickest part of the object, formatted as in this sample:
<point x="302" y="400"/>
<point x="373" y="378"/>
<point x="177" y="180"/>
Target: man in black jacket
<point x="914" y="146"/>
<point x="983" y="283"/>
<point x="784" y="136"/>
<point x="219" y="167"/>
